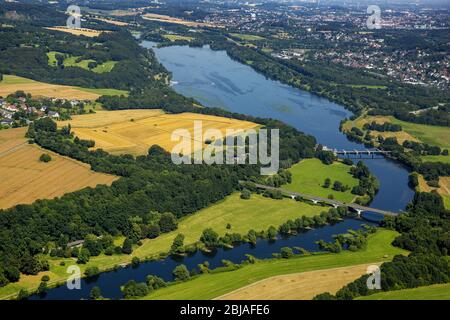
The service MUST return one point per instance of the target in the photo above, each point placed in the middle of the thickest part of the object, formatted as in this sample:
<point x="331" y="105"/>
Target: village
<point x="19" y="109"/>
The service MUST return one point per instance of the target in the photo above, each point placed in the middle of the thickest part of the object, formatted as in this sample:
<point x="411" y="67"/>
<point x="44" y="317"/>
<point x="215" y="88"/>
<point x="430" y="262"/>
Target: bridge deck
<point x="328" y="201"/>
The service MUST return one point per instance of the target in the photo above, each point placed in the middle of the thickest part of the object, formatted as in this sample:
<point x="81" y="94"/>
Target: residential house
<point x="6" y="122"/>
<point x="12" y="108"/>
<point x="53" y="114"/>
<point x="6" y="114"/>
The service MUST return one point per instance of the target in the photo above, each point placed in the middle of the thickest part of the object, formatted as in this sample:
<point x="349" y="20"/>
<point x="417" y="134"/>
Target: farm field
<point x="309" y="175"/>
<point x="135" y="131"/>
<point x="168" y="19"/>
<point x="443" y="190"/>
<point x="433" y="292"/>
<point x="257" y="213"/>
<point x="213" y="285"/>
<point x="26" y="179"/>
<point x="299" y="286"/>
<point x="11" y="84"/>
<point x="78" y="32"/>
<point x="114" y="22"/>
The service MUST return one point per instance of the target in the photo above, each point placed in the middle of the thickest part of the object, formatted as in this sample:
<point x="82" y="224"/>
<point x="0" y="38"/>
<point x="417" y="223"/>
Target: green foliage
<point x="155" y="282"/>
<point x="181" y="273"/>
<point x="178" y="244"/>
<point x="95" y="293"/>
<point x="286" y="252"/>
<point x="127" y="246"/>
<point x="134" y="289"/>
<point x="45" y="157"/>
<point x="246" y="194"/>
<point x="92" y="271"/>
<point x="210" y="238"/>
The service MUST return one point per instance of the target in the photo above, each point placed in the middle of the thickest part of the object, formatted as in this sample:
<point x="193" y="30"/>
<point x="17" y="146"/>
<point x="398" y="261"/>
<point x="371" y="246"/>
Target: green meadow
<point x="212" y="285"/>
<point x="71" y="61"/>
<point x="434" y="292"/>
<point x="308" y="177"/>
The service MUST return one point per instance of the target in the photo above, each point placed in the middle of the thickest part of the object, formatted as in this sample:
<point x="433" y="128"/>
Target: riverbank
<point x="210" y="286"/>
<point x="258" y="213"/>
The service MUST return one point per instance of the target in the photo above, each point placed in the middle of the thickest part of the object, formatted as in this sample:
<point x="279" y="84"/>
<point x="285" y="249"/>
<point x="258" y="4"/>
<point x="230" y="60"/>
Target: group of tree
<point x="382" y="127"/>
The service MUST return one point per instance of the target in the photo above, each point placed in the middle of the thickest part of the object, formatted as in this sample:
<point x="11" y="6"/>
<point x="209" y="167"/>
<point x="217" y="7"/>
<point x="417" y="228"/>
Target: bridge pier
<point x="335" y="205"/>
<point x="314" y="201"/>
<point x="359" y="212"/>
<point x="292" y="197"/>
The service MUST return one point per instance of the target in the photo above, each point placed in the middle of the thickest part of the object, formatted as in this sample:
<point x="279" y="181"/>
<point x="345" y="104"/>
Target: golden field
<point x="78" y="32"/>
<point x="168" y="19"/>
<point x="25" y="179"/>
<point x="11" y="84"/>
<point x="298" y="286"/>
<point x="135" y="131"/>
<point x="359" y="123"/>
<point x="114" y="22"/>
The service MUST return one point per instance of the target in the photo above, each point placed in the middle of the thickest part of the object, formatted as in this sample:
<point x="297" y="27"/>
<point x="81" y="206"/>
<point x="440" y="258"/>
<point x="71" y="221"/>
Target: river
<point x="215" y="80"/>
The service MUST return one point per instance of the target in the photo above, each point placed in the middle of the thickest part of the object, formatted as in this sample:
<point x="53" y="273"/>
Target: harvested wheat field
<point x="11" y="84"/>
<point x="298" y="286"/>
<point x="25" y="179"/>
<point x="168" y="19"/>
<point x="78" y="32"/>
<point x="134" y="131"/>
<point x="114" y="22"/>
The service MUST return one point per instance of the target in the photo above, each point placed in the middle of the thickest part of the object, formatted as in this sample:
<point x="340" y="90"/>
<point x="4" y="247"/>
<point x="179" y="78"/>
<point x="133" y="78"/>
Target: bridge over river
<point x="315" y="199"/>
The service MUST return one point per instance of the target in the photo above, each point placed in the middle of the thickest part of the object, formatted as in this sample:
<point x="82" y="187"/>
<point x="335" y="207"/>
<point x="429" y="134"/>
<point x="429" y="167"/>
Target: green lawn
<point x="309" y="175"/>
<point x="434" y="292"/>
<point x="106" y="92"/>
<point x="10" y="79"/>
<point x="52" y="58"/>
<point x="210" y="286"/>
<point x="247" y="37"/>
<point x="257" y="213"/>
<point x="446" y="201"/>
<point x="71" y="61"/>
<point x="176" y="37"/>
<point x="445" y="159"/>
<point x="434" y="135"/>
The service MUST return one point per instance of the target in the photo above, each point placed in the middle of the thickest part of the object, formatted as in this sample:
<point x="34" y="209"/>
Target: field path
<point x="298" y="286"/>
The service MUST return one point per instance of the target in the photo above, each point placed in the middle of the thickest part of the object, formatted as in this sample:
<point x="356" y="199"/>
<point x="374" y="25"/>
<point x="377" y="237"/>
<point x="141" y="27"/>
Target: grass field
<point x="247" y="37"/>
<point x="309" y="175"/>
<point x="257" y="213"/>
<point x="11" y="84"/>
<point x="434" y="135"/>
<point x="71" y="61"/>
<point x="78" y="32"/>
<point x="134" y="131"/>
<point x="434" y="292"/>
<point x="210" y="286"/>
<point x="26" y="179"/>
<point x="176" y="37"/>
<point x="299" y="286"/>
